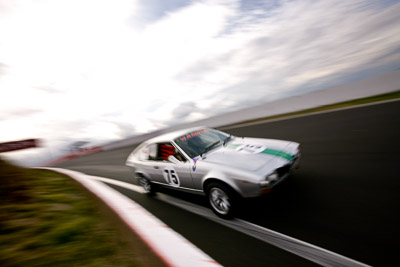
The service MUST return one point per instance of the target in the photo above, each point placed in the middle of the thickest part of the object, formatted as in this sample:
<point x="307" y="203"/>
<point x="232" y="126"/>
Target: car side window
<point x="143" y="153"/>
<point x="149" y="152"/>
<point x="153" y="152"/>
<point x="179" y="156"/>
<point x="167" y="149"/>
<point x="160" y="152"/>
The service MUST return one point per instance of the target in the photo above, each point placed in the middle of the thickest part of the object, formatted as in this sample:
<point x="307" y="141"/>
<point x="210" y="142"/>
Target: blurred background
<point x="80" y="74"/>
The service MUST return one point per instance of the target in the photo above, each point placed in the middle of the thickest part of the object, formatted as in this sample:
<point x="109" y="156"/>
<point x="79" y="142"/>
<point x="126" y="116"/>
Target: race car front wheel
<point x="221" y="199"/>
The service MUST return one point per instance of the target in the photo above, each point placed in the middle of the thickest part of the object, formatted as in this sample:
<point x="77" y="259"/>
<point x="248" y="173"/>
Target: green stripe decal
<point x="278" y="154"/>
<point x="268" y="151"/>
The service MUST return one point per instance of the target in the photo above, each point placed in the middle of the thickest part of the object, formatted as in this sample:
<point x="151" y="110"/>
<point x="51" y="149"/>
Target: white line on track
<point x="132" y="187"/>
<point x="303" y="249"/>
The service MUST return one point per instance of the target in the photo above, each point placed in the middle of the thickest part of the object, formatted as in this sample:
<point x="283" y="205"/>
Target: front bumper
<point x="282" y="174"/>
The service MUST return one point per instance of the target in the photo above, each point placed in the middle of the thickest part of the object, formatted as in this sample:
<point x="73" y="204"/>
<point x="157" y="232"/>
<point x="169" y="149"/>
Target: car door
<point x="168" y="173"/>
<point x="198" y="171"/>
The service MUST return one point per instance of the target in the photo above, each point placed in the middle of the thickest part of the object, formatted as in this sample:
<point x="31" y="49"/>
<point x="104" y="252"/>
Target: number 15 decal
<point x="171" y="177"/>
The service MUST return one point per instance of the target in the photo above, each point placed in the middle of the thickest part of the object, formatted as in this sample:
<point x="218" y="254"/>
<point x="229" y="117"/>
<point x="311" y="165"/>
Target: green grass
<point x="356" y="102"/>
<point x="47" y="219"/>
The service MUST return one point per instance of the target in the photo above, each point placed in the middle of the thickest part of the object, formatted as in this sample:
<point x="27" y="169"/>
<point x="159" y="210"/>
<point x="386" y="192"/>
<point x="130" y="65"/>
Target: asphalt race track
<point x="344" y="198"/>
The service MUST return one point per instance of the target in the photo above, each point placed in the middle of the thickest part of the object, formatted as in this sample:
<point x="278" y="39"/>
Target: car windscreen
<point x="197" y="142"/>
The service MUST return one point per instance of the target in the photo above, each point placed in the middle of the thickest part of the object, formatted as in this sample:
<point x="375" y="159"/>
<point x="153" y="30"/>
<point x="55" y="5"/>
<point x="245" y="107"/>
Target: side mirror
<point x="173" y="159"/>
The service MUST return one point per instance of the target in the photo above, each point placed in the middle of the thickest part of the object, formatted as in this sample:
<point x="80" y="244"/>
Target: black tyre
<point x="222" y="200"/>
<point x="148" y="187"/>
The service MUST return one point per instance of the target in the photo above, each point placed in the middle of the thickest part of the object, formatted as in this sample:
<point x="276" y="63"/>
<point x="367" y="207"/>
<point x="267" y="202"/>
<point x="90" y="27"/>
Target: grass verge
<point x="355" y="102"/>
<point x="47" y="219"/>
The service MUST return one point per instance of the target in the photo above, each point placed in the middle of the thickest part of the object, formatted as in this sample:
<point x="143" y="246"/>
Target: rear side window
<point x="153" y="152"/>
<point x="149" y="152"/>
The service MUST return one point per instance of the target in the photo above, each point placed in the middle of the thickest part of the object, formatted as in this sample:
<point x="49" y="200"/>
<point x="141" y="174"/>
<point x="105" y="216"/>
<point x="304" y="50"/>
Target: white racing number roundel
<point x="250" y="149"/>
<point x="171" y="177"/>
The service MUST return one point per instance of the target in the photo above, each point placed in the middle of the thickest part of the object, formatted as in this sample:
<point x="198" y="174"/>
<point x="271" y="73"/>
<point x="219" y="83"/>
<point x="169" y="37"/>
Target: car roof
<point x="168" y="137"/>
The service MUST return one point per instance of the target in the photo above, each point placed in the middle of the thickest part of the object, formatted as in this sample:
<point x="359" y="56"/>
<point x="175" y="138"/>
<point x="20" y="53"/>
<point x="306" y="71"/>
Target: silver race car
<point x="206" y="161"/>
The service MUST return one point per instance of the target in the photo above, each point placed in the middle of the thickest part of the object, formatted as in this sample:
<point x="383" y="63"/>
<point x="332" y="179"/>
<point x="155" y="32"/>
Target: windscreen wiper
<point x="208" y="148"/>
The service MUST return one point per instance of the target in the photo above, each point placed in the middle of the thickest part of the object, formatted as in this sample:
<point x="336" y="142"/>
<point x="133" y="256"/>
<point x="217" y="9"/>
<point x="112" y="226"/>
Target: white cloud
<point x="87" y="72"/>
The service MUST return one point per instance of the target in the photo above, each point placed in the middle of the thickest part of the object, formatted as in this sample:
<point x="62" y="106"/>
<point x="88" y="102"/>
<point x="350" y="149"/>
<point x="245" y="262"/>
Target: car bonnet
<point x="251" y="154"/>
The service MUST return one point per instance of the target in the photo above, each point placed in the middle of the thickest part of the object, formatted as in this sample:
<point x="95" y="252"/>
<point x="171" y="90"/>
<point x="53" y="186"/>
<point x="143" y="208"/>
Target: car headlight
<point x="272" y="177"/>
<point x="269" y="179"/>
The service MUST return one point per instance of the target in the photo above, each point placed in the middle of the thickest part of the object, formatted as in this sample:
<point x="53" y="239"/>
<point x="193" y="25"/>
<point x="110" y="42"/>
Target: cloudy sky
<point x="102" y="70"/>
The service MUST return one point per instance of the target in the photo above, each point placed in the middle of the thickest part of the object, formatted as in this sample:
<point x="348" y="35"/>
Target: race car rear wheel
<point x="221" y="199"/>
<point x="147" y="186"/>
